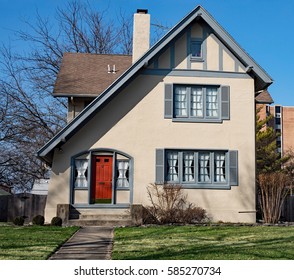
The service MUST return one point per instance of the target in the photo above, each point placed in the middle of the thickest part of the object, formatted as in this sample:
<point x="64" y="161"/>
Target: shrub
<point x="170" y="205"/>
<point x="56" y="221"/>
<point x="273" y="189"/>
<point x="18" y="221"/>
<point x="38" y="220"/>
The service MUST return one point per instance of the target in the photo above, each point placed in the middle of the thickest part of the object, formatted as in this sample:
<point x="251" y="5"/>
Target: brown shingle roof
<point x="264" y="97"/>
<point x="84" y="74"/>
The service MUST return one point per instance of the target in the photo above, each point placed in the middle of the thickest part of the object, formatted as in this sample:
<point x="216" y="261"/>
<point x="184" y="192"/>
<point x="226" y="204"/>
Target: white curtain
<point x="220" y="169"/>
<point x="172" y="160"/>
<point x="188" y="167"/>
<point x="204" y="166"/>
<point x="81" y="167"/>
<point x="211" y="102"/>
<point x="122" y="180"/>
<point x="181" y="101"/>
<point x="196" y="102"/>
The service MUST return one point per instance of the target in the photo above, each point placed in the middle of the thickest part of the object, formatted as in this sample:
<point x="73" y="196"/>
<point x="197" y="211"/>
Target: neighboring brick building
<point x="283" y="123"/>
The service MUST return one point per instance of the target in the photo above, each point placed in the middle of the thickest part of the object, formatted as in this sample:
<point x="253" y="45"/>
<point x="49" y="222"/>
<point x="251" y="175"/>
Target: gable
<point x="173" y="47"/>
<point x="215" y="56"/>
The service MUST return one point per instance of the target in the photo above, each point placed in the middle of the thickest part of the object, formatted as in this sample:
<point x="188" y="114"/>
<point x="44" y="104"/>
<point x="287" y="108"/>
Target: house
<point x="183" y="111"/>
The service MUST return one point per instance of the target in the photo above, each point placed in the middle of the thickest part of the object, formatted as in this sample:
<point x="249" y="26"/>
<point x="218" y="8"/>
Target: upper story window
<point x="196" y="49"/>
<point x="197" y="103"/>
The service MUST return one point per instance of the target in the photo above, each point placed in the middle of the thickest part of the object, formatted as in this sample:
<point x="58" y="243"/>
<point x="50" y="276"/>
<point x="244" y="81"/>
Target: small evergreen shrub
<point x="38" y="220"/>
<point x="18" y="221"/>
<point x="56" y="221"/>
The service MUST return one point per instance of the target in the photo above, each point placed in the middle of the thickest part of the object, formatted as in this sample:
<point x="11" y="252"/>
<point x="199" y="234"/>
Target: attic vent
<point x="109" y="70"/>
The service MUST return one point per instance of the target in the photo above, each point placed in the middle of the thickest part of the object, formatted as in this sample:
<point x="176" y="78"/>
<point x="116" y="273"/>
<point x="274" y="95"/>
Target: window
<point x="196" y="49"/>
<point x="122" y="176"/>
<point x="197" y="103"/>
<point x="81" y="170"/>
<point x="197" y="168"/>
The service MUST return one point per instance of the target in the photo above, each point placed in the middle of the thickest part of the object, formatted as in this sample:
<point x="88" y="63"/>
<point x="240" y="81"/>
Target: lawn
<point x="204" y="243"/>
<point x="32" y="242"/>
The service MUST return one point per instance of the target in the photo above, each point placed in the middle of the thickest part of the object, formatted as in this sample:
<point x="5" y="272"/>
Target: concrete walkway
<point x="88" y="243"/>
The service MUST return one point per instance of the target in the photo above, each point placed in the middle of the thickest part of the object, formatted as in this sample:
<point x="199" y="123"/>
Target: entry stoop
<point x="100" y="217"/>
<point x="112" y="217"/>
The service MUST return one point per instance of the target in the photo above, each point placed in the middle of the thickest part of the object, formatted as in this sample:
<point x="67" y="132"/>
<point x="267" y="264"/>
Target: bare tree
<point x="29" y="115"/>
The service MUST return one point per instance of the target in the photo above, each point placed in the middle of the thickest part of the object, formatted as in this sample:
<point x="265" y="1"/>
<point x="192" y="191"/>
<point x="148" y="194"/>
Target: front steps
<point x="100" y="217"/>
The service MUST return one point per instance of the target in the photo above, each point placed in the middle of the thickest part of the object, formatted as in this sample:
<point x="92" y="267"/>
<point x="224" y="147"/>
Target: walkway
<point x="88" y="243"/>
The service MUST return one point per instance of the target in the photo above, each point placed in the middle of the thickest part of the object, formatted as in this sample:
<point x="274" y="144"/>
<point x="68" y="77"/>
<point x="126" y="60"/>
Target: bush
<point x="38" y="220"/>
<point x="56" y="221"/>
<point x="18" y="221"/>
<point x="170" y="205"/>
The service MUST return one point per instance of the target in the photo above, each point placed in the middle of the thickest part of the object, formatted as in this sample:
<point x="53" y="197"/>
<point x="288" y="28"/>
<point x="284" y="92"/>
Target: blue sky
<point x="264" y="28"/>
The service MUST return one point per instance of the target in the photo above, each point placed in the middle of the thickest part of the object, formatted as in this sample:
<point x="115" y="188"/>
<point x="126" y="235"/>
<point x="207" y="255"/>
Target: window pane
<point x="188" y="166"/>
<point x="220" y="167"/>
<point x="81" y="166"/>
<point x="122" y="180"/>
<point x="211" y="102"/>
<point x="172" y="167"/>
<point x="196" y="49"/>
<point x="181" y="101"/>
<point x="196" y="102"/>
<point x="204" y="167"/>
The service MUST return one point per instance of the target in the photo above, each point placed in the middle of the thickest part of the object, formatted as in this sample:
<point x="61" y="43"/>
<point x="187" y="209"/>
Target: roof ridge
<point x="96" y="54"/>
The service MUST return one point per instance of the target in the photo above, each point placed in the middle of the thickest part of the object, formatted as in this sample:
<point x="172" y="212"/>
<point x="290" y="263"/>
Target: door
<point x="102" y="179"/>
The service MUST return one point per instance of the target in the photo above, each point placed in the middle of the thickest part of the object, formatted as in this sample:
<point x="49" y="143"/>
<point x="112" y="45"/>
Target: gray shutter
<point x="233" y="161"/>
<point x="225" y="102"/>
<point x="159" y="172"/>
<point x="168" y="101"/>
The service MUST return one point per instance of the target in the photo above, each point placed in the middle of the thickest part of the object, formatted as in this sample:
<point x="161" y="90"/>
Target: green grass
<point x="204" y="243"/>
<point x="31" y="242"/>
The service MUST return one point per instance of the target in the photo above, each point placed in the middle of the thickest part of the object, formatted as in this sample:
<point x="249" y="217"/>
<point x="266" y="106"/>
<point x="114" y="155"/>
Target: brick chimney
<point x="141" y="33"/>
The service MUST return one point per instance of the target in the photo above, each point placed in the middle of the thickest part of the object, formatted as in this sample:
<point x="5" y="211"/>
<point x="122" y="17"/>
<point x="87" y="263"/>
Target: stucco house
<point x="182" y="111"/>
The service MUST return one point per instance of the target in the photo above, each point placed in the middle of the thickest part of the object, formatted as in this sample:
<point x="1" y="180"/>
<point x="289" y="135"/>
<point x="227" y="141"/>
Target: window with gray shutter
<point x="207" y="169"/>
<point x="196" y="103"/>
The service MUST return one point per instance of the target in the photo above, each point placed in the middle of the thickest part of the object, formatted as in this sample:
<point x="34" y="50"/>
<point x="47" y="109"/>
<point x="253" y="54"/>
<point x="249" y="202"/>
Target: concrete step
<point x="100" y="217"/>
<point x="96" y="222"/>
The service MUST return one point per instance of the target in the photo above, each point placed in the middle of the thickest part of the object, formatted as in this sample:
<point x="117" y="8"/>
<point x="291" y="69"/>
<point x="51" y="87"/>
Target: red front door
<point x="102" y="179"/>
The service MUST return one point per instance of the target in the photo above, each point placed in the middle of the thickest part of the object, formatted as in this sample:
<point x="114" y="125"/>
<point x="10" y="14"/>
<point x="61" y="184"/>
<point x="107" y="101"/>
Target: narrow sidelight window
<point x="81" y="166"/>
<point x="122" y="180"/>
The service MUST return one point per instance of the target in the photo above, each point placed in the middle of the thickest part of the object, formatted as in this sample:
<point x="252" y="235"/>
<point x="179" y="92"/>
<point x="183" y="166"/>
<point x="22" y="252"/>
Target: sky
<point x="263" y="28"/>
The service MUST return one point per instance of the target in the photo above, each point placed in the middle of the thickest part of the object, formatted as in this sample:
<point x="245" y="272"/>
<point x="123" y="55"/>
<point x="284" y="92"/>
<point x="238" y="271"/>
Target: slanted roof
<point x="262" y="79"/>
<point x="83" y="74"/>
<point x="263" y="97"/>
